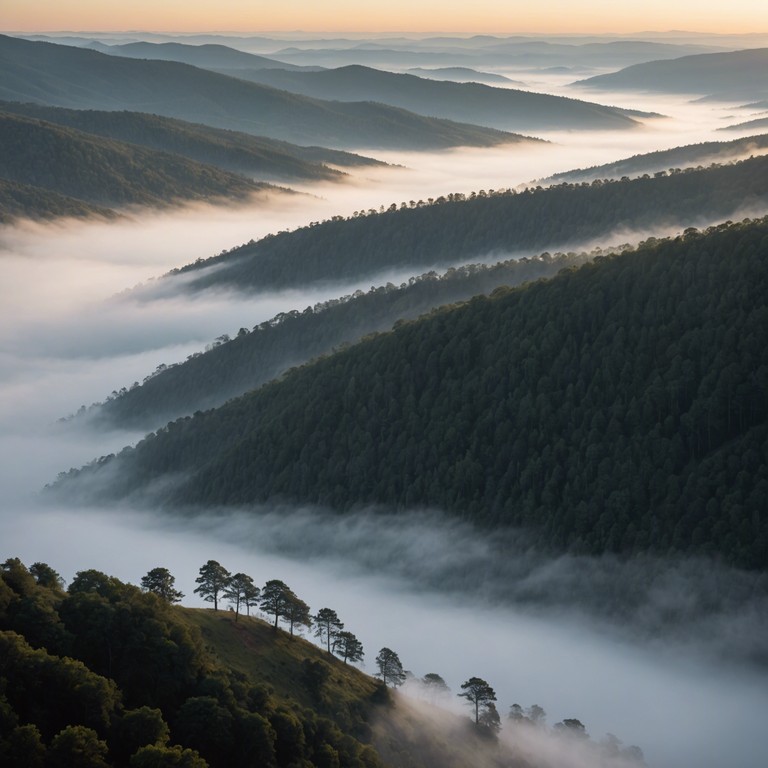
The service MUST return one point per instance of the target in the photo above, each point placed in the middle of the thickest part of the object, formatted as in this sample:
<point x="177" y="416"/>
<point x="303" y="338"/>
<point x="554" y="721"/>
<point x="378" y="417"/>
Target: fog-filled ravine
<point x="670" y="655"/>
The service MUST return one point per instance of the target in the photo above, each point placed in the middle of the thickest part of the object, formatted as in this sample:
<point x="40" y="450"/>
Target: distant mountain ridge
<point x="501" y="108"/>
<point x="59" y="75"/>
<point x="733" y="75"/>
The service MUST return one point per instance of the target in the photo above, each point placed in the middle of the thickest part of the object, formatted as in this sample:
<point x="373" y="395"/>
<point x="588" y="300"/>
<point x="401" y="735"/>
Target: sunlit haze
<point x="487" y="16"/>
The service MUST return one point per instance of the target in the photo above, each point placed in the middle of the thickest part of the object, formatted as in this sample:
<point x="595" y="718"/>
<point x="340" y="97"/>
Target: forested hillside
<point x="234" y="366"/>
<point x="487" y="226"/>
<point x="105" y="172"/>
<point x="23" y="200"/>
<point x="229" y="150"/>
<point x="104" y="674"/>
<point x="619" y="407"/>
<point x="668" y="160"/>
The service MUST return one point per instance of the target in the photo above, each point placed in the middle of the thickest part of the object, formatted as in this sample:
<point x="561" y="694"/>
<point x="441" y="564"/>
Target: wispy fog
<point x="668" y="655"/>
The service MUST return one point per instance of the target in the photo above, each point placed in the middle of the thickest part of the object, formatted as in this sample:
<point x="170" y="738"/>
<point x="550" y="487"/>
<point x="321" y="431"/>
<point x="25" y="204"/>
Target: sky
<point x="481" y="16"/>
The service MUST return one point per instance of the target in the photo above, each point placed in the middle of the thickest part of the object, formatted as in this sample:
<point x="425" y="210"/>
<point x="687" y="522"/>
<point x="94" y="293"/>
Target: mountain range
<point x="60" y="75"/>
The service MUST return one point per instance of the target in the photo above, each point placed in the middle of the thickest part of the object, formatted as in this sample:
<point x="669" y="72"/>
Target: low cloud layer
<point x="669" y="655"/>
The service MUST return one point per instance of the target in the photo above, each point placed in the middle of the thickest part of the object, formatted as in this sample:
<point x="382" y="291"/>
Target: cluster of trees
<point x="278" y="601"/>
<point x="106" y="674"/>
<point x="233" y="366"/>
<point x="618" y="407"/>
<point x="454" y="228"/>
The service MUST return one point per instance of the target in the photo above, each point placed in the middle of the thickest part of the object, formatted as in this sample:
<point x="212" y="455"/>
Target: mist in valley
<point x="669" y="655"/>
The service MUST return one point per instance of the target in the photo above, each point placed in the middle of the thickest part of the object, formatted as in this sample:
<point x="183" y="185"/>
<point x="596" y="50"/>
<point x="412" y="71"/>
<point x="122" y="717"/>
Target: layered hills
<point x="64" y="76"/>
<point x="234" y="366"/>
<point x="207" y="55"/>
<point x="486" y="226"/>
<point x="619" y="407"/>
<point x="99" y="171"/>
<point x="231" y="151"/>
<point x="503" y="108"/>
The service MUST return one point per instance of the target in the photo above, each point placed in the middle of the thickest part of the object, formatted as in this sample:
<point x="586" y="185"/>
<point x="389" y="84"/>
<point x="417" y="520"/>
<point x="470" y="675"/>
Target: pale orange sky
<point x="468" y="16"/>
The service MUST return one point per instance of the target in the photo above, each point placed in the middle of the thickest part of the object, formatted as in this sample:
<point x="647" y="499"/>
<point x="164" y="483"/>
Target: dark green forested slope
<point x="621" y="406"/>
<point x="229" y="150"/>
<point x="25" y="201"/>
<point x="104" y="674"/>
<point x="232" y="367"/>
<point x="668" y="160"/>
<point x="64" y="76"/>
<point x="105" y="172"/>
<point x="458" y="229"/>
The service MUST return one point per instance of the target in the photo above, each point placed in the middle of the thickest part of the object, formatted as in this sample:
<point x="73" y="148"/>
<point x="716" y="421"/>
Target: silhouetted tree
<point x="390" y="668"/>
<point x="213" y="579"/>
<point x="348" y="647"/>
<point x="479" y="694"/>
<point x="237" y="590"/>
<point x="327" y="626"/>
<point x="160" y="582"/>
<point x="275" y="598"/>
<point x="296" y="613"/>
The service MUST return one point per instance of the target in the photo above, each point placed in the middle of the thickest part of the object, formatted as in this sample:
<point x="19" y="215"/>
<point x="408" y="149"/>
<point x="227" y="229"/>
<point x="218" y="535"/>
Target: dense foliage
<point x="104" y="674"/>
<point x="456" y="229"/>
<point x="107" y="172"/>
<point x="228" y="150"/>
<point x="620" y="406"/>
<point x="26" y="201"/>
<point x="668" y="160"/>
<point x="230" y="367"/>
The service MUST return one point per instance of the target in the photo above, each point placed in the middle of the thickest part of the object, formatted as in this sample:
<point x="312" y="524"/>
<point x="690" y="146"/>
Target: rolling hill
<point x="463" y="75"/>
<point x="502" y="108"/>
<point x="667" y="160"/>
<point x="64" y="76"/>
<point x="229" y="150"/>
<point x="207" y="56"/>
<point x="19" y="201"/>
<point x="105" y="172"/>
<point x="486" y="226"/>
<point x="734" y="75"/>
<point x="619" y="407"/>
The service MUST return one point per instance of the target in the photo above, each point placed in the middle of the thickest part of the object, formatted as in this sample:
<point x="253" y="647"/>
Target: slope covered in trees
<point x="504" y="108"/>
<point x="229" y="150"/>
<point x="619" y="407"/>
<point x="485" y="226"/>
<point x="103" y="674"/>
<point x="234" y="366"/>
<point x="106" y="172"/>
<point x="63" y="76"/>
<point x="26" y="201"/>
<point x="668" y="160"/>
